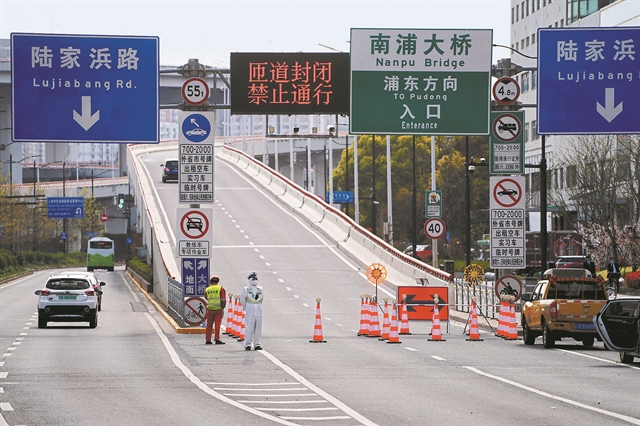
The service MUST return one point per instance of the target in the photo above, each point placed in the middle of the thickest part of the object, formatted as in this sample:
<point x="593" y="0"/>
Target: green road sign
<point x="416" y="81"/>
<point x="506" y="152"/>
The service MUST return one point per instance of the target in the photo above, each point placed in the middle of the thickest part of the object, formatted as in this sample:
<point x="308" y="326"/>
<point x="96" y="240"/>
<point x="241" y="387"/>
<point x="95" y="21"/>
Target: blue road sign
<point x="63" y="235"/>
<point x="196" y="128"/>
<point x="341" y="196"/>
<point x="65" y="207"/>
<point x="91" y="234"/>
<point x="129" y="240"/>
<point x="589" y="80"/>
<point x="195" y="276"/>
<point x="73" y="88"/>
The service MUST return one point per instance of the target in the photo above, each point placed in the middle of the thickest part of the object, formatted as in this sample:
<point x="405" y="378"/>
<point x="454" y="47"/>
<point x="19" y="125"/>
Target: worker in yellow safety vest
<point x="216" y="302"/>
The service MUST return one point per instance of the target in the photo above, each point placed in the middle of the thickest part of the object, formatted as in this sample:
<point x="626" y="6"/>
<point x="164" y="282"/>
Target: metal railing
<point x="176" y="303"/>
<point x="486" y="300"/>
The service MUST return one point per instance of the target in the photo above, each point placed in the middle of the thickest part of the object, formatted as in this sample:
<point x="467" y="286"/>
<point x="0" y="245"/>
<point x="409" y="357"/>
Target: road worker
<point x="251" y="301"/>
<point x="216" y="301"/>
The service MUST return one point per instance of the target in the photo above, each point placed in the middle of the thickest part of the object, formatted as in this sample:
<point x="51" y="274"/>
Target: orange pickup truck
<point x="563" y="304"/>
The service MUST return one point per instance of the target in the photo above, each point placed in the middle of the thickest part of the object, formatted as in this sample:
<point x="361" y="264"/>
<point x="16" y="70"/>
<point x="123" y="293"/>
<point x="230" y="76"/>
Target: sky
<point x="209" y="30"/>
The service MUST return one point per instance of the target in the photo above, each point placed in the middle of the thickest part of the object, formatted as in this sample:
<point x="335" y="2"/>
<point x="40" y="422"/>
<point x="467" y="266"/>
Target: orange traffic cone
<point x="393" y="334"/>
<point x="242" y="326"/>
<point x="513" y="326"/>
<point x="474" y="329"/>
<point x="436" y="333"/>
<point x="404" y="323"/>
<point x="236" y="317"/>
<point x="364" y="317"/>
<point x="385" y="321"/>
<point x="229" y="324"/>
<point x="317" y="327"/>
<point x="375" y="319"/>
<point x="501" y="318"/>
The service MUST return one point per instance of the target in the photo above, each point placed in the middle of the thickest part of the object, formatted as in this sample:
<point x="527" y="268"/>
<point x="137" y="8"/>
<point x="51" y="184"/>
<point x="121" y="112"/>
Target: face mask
<point x="254" y="282"/>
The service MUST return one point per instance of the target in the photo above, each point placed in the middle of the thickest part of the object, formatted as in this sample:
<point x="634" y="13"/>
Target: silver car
<point x="617" y="325"/>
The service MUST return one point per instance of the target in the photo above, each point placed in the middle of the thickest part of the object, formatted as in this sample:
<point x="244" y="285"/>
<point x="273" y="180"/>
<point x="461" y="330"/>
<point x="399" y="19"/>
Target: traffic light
<point x="120" y="202"/>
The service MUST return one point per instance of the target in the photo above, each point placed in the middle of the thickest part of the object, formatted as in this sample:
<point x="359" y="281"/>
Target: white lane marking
<point x="261" y="257"/>
<point x="24" y="334"/>
<point x="305" y="305"/>
<point x="411" y="349"/>
<point x="6" y="354"/>
<point x="1" y="363"/>
<point x="1" y="389"/>
<point x="327" y="318"/>
<point x="599" y="359"/>
<point x="345" y="409"/>
<point x="26" y="328"/>
<point x="251" y="384"/>
<point x="19" y="338"/>
<point x="555" y="397"/>
<point x="267" y="263"/>
<point x="5" y="406"/>
<point x="304" y="225"/>
<point x="261" y="390"/>
<point x="246" y="236"/>
<point x="196" y="381"/>
<point x="237" y="226"/>
<point x="296" y="296"/>
<point x="280" y="280"/>
<point x="288" y="288"/>
<point x="271" y="395"/>
<point x="297" y="409"/>
<point x="316" y="418"/>
<point x="437" y="357"/>
<point x="16" y="343"/>
<point x="242" y="231"/>
<point x="2" y="421"/>
<point x="315" y="401"/>
<point x="28" y="323"/>
<point x="11" y="349"/>
<point x="3" y="374"/>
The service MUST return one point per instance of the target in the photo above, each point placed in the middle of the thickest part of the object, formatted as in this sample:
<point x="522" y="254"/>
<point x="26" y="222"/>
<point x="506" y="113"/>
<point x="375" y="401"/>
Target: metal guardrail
<point x="176" y="303"/>
<point x="487" y="301"/>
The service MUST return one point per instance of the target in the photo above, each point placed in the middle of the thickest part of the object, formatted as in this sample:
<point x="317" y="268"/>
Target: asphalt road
<point x="133" y="369"/>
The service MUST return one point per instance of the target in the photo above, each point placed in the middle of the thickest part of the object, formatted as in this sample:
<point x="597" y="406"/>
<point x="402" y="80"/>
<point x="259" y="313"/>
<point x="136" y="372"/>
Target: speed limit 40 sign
<point x="195" y="91"/>
<point x="434" y="228"/>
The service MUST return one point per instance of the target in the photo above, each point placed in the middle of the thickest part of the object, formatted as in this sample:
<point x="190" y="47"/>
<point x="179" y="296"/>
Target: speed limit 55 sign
<point x="195" y="91"/>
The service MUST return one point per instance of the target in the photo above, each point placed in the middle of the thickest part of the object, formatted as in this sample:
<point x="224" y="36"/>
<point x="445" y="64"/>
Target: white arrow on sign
<point x="609" y="111"/>
<point x="203" y="264"/>
<point x="86" y="120"/>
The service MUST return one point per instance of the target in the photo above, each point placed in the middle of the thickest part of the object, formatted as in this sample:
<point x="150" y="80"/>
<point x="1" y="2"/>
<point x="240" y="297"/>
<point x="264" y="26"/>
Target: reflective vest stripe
<point x="214" y="302"/>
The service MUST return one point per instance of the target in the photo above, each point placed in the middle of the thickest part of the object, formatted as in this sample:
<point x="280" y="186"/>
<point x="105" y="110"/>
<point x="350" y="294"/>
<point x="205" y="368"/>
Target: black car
<point x="169" y="170"/>
<point x="617" y="325"/>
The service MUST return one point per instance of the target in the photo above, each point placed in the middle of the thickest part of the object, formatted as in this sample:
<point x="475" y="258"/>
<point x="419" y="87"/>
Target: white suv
<point x="67" y="298"/>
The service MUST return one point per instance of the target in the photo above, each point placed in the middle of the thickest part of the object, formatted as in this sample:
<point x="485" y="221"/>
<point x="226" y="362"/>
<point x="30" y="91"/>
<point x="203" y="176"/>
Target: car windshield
<point x="67" y="284"/>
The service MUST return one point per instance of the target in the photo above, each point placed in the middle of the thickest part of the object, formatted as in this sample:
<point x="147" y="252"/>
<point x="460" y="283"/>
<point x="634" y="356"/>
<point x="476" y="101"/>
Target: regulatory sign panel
<point x="195" y="275"/>
<point x="433" y="204"/>
<point x="507" y="192"/>
<point x="195" y="91"/>
<point x="588" y="80"/>
<point x="65" y="207"/>
<point x="195" y="146"/>
<point x="194" y="233"/>
<point x="506" y="156"/>
<point x="421" y="301"/>
<point x="507" y="222"/>
<point x="509" y="285"/>
<point x="195" y="310"/>
<point x="420" y="81"/>
<point x="506" y="91"/>
<point x="73" y="88"/>
<point x="434" y="228"/>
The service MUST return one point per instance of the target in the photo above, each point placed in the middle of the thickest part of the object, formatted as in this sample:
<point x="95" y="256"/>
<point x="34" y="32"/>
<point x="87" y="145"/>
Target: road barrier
<point x="317" y="327"/>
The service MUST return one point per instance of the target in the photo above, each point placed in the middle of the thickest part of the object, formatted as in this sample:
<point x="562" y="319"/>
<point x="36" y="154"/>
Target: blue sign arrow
<point x="195" y="276"/>
<point x="341" y="196"/>
<point x="71" y="88"/>
<point x="588" y="80"/>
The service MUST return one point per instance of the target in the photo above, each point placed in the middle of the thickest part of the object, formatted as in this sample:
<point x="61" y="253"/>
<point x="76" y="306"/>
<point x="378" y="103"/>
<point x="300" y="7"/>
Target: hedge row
<point x="10" y="261"/>
<point x="142" y="269"/>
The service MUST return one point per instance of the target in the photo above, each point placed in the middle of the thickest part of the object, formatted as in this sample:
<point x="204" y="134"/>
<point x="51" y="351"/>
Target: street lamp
<point x="469" y="168"/>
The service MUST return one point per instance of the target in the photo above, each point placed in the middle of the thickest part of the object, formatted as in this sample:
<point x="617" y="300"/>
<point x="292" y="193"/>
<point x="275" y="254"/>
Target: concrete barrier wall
<point x="366" y="247"/>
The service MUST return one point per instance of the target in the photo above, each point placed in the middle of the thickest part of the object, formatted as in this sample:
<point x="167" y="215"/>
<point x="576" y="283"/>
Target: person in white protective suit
<point x="251" y="301"/>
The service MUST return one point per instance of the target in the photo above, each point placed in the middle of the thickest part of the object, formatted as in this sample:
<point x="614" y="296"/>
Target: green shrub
<point x="142" y="269"/>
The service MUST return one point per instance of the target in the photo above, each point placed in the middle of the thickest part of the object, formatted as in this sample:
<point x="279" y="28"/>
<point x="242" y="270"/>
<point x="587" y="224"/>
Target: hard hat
<point x="215" y="279"/>
<point x="252" y="275"/>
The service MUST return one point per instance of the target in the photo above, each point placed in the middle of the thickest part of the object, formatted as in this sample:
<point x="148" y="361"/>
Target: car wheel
<point x="548" y="339"/>
<point x="588" y="341"/>
<point x="93" y="322"/>
<point x="164" y="179"/>
<point x="42" y="322"/>
<point x="528" y="336"/>
<point x="626" y="358"/>
<point x="100" y="307"/>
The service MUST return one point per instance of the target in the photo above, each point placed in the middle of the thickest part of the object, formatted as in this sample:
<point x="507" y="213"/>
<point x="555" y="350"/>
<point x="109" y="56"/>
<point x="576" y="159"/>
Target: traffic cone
<point x="364" y="317"/>
<point x="236" y="317"/>
<point x="436" y="333"/>
<point x="317" y="327"/>
<point x="513" y="326"/>
<point x="404" y="323"/>
<point x="385" y="321"/>
<point x="501" y="318"/>
<point x="474" y="329"/>
<point x="229" y="324"/>
<point x="375" y="319"/>
<point x="241" y="335"/>
<point x="393" y="334"/>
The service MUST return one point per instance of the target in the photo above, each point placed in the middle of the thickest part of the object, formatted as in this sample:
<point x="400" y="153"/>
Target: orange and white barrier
<point x="393" y="334"/>
<point x="242" y="325"/>
<point x="502" y="318"/>
<point x="474" y="328"/>
<point x="375" y="319"/>
<point x="364" y="317"/>
<point x="513" y="326"/>
<point x="228" y="328"/>
<point x="317" y="327"/>
<point x="436" y="333"/>
<point x="404" y="323"/>
<point x="386" y="325"/>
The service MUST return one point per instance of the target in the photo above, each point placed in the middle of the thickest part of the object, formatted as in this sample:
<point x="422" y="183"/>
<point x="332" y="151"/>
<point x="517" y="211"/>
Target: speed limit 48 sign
<point x="195" y="91"/>
<point x="434" y="228"/>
